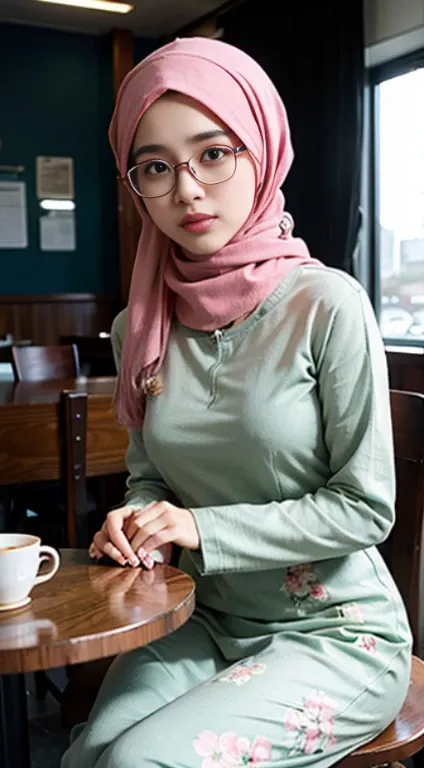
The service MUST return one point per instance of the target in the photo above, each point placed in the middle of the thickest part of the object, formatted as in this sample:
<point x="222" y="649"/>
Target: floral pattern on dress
<point x="230" y="750"/>
<point x="310" y="729"/>
<point x="352" y="611"/>
<point x="301" y="584"/>
<point x="242" y="673"/>
<point x="369" y="644"/>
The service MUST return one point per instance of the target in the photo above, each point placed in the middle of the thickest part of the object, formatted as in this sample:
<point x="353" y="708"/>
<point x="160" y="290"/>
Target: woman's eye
<point x="213" y="154"/>
<point x="155" y="168"/>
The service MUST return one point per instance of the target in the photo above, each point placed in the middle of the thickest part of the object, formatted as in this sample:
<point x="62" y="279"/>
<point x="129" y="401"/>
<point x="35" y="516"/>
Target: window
<point x="397" y="91"/>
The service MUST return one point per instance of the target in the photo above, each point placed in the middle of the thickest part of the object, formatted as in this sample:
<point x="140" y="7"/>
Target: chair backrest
<point x="32" y="363"/>
<point x="406" y="369"/>
<point x="73" y="407"/>
<point x="93" y="445"/>
<point x="95" y="354"/>
<point x="402" y="550"/>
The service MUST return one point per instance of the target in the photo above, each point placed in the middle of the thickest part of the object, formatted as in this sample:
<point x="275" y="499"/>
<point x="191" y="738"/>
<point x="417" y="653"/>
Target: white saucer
<point x="13" y="606"/>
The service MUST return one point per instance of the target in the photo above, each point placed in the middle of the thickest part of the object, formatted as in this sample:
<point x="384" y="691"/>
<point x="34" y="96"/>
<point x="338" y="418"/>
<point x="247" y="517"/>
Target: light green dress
<point x="277" y="435"/>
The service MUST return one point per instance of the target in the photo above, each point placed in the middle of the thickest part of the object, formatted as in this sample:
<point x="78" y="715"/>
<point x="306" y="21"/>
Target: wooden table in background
<point x="30" y="448"/>
<point x="87" y="611"/>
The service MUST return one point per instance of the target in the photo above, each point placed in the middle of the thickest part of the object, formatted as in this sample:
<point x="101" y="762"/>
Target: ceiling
<point x="150" y="18"/>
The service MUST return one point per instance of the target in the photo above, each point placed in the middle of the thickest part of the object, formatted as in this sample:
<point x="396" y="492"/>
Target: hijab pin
<point x="286" y="225"/>
<point x="153" y="386"/>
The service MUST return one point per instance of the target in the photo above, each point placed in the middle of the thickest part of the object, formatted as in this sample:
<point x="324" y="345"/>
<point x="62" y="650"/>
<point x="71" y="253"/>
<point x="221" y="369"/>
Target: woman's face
<point x="176" y="125"/>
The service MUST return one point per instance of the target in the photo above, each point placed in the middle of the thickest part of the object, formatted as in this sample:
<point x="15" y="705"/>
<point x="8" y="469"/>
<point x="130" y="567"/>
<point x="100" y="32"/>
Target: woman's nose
<point x="187" y="187"/>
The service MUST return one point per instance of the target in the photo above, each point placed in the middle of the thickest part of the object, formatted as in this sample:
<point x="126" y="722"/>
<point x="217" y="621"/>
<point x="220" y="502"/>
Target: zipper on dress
<point x="217" y="338"/>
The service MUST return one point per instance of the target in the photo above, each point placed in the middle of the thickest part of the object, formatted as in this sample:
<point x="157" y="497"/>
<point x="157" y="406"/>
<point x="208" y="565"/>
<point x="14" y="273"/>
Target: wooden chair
<point x="406" y="368"/>
<point x="32" y="363"/>
<point x="405" y="736"/>
<point x="95" y="354"/>
<point x="38" y="363"/>
<point x="81" y="460"/>
<point x="41" y="363"/>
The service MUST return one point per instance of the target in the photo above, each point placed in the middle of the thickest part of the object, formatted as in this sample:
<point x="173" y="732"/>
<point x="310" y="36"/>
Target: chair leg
<point x="41" y="690"/>
<point x="14" y="742"/>
<point x="44" y="685"/>
<point x="10" y="511"/>
<point x="17" y="512"/>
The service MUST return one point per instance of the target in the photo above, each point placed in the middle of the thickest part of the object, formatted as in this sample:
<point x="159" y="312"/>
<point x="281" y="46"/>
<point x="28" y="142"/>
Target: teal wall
<point x="57" y="99"/>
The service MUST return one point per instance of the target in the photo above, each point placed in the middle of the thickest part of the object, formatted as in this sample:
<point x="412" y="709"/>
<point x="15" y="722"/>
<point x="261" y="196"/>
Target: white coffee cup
<point x="20" y="559"/>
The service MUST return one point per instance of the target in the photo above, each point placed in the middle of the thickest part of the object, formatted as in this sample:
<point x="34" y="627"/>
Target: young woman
<point x="253" y="382"/>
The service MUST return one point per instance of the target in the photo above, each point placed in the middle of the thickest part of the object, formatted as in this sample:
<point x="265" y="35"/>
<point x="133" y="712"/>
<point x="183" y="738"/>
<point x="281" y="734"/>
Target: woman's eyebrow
<point x="148" y="149"/>
<point x="205" y="135"/>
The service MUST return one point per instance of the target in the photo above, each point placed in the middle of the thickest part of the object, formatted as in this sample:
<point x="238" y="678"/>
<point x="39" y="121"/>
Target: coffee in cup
<point x="20" y="559"/>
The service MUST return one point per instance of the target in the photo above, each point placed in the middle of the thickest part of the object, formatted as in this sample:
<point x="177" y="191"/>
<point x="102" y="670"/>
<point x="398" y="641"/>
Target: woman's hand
<point x="158" y="524"/>
<point x="130" y="534"/>
<point x="111" y="539"/>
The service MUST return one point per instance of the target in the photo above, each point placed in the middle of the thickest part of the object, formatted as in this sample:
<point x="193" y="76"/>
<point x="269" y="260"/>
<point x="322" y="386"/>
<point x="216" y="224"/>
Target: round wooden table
<point x="87" y="611"/>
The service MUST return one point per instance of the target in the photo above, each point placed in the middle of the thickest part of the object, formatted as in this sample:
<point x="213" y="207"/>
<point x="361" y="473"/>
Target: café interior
<point x="68" y="239"/>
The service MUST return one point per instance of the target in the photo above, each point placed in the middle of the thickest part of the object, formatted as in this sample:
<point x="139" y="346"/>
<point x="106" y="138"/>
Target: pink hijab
<point x="232" y="282"/>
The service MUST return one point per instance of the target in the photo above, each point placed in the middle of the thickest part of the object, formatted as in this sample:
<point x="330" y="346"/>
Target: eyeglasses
<point x="156" y="178"/>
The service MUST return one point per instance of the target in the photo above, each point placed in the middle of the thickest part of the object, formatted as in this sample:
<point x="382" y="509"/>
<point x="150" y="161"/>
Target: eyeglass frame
<point x="235" y="150"/>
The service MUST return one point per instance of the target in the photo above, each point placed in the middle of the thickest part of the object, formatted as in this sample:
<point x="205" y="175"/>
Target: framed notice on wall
<point x="55" y="177"/>
<point x="13" y="215"/>
<point x="57" y="231"/>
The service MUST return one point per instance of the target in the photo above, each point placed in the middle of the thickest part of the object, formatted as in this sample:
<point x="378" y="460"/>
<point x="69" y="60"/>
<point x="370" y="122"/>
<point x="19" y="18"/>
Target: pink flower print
<point x="293" y="584"/>
<point x="242" y="673"/>
<point x="320" y="707"/>
<point x="368" y="643"/>
<point x="318" y="592"/>
<point x="327" y="727"/>
<point x="310" y="729"/>
<point x="313" y="738"/>
<point x="353" y="611"/>
<point x="235" y="749"/>
<point x="207" y="745"/>
<point x="304" y="574"/>
<point x="261" y="750"/>
<point x="301" y="584"/>
<point x="294" y="723"/>
<point x="230" y="750"/>
<point x="257" y="669"/>
<point x="292" y="720"/>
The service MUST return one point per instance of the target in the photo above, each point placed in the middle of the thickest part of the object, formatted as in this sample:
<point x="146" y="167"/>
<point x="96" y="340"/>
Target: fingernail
<point x="135" y="561"/>
<point x="148" y="561"/>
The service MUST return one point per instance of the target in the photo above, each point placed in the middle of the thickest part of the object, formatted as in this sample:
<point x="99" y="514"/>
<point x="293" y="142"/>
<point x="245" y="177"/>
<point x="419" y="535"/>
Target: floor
<point x="48" y="740"/>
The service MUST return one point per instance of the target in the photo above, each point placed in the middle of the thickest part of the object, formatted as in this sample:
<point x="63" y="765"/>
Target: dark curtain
<point x="313" y="50"/>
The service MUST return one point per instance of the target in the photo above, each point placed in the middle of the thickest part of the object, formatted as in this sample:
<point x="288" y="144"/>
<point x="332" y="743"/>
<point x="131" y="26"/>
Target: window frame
<point x="375" y="76"/>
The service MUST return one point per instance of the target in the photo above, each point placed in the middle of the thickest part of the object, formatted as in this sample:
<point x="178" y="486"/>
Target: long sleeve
<point x="354" y="509"/>
<point x="144" y="483"/>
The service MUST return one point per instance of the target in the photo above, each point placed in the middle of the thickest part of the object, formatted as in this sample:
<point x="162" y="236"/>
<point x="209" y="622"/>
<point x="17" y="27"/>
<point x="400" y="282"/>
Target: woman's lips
<point x="199" y="226"/>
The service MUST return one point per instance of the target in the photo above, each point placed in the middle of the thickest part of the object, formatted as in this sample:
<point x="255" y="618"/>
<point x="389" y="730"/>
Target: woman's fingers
<point x="145" y="532"/>
<point x="101" y="545"/>
<point x="104" y="545"/>
<point x="146" y="559"/>
<point x="139" y="517"/>
<point x="158" y="542"/>
<point x="94" y="552"/>
<point x="114" y="528"/>
<point x="125" y="531"/>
